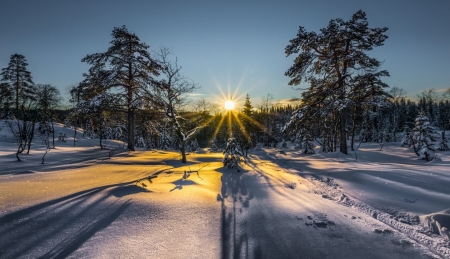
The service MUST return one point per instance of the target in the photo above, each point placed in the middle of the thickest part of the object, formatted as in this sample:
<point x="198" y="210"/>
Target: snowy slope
<point x="283" y="204"/>
<point x="391" y="185"/>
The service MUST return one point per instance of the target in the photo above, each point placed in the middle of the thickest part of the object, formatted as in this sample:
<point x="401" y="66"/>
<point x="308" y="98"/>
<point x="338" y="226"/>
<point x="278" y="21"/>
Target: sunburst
<point x="230" y="103"/>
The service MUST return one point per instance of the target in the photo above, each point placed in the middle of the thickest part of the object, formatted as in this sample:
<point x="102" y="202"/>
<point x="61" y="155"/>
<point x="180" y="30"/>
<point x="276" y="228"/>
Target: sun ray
<point x="228" y="95"/>
<point x="256" y="123"/>
<point x="241" y="126"/>
<point x="230" y="124"/>
<point x="217" y="128"/>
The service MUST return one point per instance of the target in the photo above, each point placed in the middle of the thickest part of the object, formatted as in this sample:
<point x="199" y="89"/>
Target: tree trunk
<point x="74" y="134"/>
<point x="47" y="148"/>
<point x="17" y="93"/>
<point x="30" y="136"/>
<point x="353" y="129"/>
<point x="100" y="137"/>
<point x="130" y="129"/>
<point x="53" y="134"/>
<point x="343" y="135"/>
<point x="375" y="124"/>
<point x="130" y="108"/>
<point x="183" y="152"/>
<point x="18" y="151"/>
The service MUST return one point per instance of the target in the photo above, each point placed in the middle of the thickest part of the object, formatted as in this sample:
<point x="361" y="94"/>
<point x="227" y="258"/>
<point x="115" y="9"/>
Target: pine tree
<point x="247" y="110"/>
<point x="422" y="137"/>
<point x="18" y="79"/>
<point x="327" y="60"/>
<point x="232" y="154"/>
<point x="6" y="98"/>
<point x="307" y="143"/>
<point x="126" y="64"/>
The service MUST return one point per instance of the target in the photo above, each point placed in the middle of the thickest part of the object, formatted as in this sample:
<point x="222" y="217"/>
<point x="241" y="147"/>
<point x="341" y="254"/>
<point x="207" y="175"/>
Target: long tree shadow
<point x="57" y="228"/>
<point x="75" y="241"/>
<point x="235" y="196"/>
<point x="248" y="210"/>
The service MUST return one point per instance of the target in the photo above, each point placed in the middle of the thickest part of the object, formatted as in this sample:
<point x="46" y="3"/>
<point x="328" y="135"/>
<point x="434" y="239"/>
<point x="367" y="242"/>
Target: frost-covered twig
<point x="150" y="177"/>
<point x="188" y="173"/>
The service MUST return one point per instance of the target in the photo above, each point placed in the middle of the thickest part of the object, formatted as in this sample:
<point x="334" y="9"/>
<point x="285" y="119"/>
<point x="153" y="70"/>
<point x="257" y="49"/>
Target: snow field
<point x="82" y="204"/>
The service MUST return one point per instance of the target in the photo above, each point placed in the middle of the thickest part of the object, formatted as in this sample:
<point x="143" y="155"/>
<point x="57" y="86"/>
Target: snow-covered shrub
<point x="118" y="132"/>
<point x="200" y="150"/>
<point x="406" y="139"/>
<point x="232" y="155"/>
<point x="422" y="137"/>
<point x="214" y="148"/>
<point x="305" y="142"/>
<point x="140" y="142"/>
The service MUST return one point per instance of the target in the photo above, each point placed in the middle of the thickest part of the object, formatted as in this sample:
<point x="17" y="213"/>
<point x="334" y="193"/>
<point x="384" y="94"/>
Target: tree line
<point x="139" y="97"/>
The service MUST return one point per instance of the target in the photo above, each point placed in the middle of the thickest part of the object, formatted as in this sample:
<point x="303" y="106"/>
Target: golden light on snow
<point x="229" y="105"/>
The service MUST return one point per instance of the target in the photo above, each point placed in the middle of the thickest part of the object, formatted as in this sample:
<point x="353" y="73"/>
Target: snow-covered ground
<point x="283" y="204"/>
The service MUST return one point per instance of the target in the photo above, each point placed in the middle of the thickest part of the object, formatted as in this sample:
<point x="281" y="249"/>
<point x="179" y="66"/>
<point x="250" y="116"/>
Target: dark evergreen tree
<point x="305" y="142"/>
<point x="247" y="110"/>
<point x="128" y="66"/>
<point x="6" y="98"/>
<point x="18" y="79"/>
<point x="248" y="122"/>
<point x="367" y="92"/>
<point x="329" y="58"/>
<point x="444" y="114"/>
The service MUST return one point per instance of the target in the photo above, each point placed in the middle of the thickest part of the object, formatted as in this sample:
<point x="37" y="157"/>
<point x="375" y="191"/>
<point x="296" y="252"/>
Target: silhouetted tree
<point x="328" y="59"/>
<point x="18" y="79"/>
<point x="127" y="67"/>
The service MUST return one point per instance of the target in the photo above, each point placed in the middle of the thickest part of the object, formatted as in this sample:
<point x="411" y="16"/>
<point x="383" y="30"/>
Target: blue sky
<point x="224" y="44"/>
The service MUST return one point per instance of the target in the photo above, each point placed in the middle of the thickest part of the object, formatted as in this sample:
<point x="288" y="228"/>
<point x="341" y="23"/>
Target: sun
<point x="229" y="105"/>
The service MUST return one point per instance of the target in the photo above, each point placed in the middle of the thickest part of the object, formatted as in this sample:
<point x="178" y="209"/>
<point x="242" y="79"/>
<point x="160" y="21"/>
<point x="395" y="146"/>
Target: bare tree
<point x="172" y="90"/>
<point x="265" y="110"/>
<point x="396" y="95"/>
<point x="23" y="130"/>
<point x="430" y="95"/>
<point x="47" y="99"/>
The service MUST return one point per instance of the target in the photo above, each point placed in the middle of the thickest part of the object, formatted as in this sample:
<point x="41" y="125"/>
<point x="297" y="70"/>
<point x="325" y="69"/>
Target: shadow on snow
<point x="57" y="228"/>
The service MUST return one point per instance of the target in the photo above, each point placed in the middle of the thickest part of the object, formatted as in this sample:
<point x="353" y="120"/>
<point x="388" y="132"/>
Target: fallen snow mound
<point x="438" y="223"/>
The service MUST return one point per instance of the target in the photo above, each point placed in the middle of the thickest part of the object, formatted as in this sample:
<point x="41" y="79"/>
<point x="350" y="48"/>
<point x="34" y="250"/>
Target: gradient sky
<point x="224" y="44"/>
